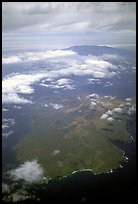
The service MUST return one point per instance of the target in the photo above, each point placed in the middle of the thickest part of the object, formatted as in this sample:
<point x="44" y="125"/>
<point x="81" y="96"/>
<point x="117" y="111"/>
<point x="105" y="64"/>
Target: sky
<point x="57" y="25"/>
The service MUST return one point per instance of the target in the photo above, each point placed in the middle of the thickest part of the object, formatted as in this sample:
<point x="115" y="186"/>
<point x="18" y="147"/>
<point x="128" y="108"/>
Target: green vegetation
<point x="75" y="138"/>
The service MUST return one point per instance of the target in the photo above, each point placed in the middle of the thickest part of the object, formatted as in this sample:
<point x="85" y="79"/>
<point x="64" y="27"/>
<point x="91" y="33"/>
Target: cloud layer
<point x="68" y="16"/>
<point x="62" y="24"/>
<point x="64" y="63"/>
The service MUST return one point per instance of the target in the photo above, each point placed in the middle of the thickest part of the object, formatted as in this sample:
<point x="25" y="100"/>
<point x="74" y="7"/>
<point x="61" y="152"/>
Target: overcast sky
<point x="46" y="25"/>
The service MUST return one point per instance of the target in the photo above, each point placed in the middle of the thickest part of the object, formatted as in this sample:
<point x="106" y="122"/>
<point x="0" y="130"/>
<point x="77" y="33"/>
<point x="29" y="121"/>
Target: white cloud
<point x="93" y="81"/>
<point x="94" y="95"/>
<point x="129" y="99"/>
<point x="109" y="112"/>
<point x="55" y="152"/>
<point x="107" y="115"/>
<point x="16" y="84"/>
<point x="7" y="123"/>
<point x="121" y="106"/>
<point x="92" y="105"/>
<point x="108" y="83"/>
<point x="4" y="126"/>
<point x="17" y="107"/>
<point x="128" y="104"/>
<point x="7" y="134"/>
<point x="65" y="63"/>
<point x="110" y="97"/>
<point x="51" y="55"/>
<point x="46" y="105"/>
<point x="118" y="110"/>
<point x="110" y="119"/>
<point x="63" y="81"/>
<point x="104" y="116"/>
<point x="56" y="106"/>
<point x="4" y="109"/>
<point x="12" y="59"/>
<point x="132" y="110"/>
<point x="30" y="171"/>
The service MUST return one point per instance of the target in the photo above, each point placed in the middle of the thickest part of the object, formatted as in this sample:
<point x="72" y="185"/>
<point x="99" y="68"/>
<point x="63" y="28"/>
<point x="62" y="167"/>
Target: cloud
<point x="12" y="59"/>
<point x="7" y="134"/>
<point x="132" y="110"/>
<point x="104" y="116"/>
<point x="108" y="83"/>
<point x="4" y="126"/>
<point x="67" y="16"/>
<point x="7" y="123"/>
<point x="4" y="109"/>
<point x="118" y="110"/>
<point x="55" y="152"/>
<point x="56" y="106"/>
<point x="129" y="99"/>
<point x="110" y="97"/>
<point x="17" y="107"/>
<point x="51" y="55"/>
<point x="63" y="24"/>
<point x="93" y="81"/>
<point x="94" y="95"/>
<point x="14" y="85"/>
<point x="65" y="63"/>
<point x="107" y="115"/>
<point x="30" y="172"/>
<point x="92" y="105"/>
<point x="110" y="119"/>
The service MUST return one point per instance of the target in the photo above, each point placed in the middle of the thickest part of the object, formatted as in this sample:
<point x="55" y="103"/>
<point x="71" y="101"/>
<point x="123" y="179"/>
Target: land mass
<point x="77" y="135"/>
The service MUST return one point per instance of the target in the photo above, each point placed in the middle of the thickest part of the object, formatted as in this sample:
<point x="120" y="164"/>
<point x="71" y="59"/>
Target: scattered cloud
<point x="132" y="110"/>
<point x="110" y="119"/>
<point x="118" y="110"/>
<point x="104" y="116"/>
<point x="56" y="106"/>
<point x="4" y="126"/>
<point x="108" y="83"/>
<point x="92" y="105"/>
<point x="55" y="152"/>
<point x="62" y="83"/>
<point x="4" y="109"/>
<point x="93" y="81"/>
<point x="7" y="123"/>
<point x="17" y="107"/>
<point x="121" y="106"/>
<point x="94" y="95"/>
<point x="30" y="172"/>
<point x="129" y="99"/>
<point x="110" y="97"/>
<point x="107" y="115"/>
<point x="7" y="134"/>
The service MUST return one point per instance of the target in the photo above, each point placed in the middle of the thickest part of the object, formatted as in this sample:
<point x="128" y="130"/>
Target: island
<point x="77" y="133"/>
